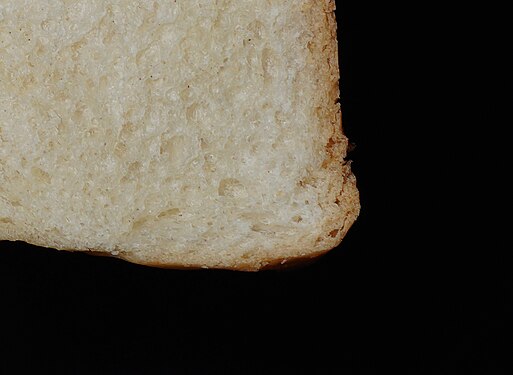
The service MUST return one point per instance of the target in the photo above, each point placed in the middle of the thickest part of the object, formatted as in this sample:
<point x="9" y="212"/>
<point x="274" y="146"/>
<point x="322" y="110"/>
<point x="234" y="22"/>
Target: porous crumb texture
<point x="186" y="133"/>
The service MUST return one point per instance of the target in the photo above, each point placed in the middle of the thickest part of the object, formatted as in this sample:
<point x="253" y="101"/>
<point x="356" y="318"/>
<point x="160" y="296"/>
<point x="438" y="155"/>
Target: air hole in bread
<point x="232" y="188"/>
<point x="127" y="129"/>
<point x="134" y="167"/>
<point x="140" y="223"/>
<point x="168" y="213"/>
<point x="120" y="150"/>
<point x="297" y="219"/>
<point x="40" y="175"/>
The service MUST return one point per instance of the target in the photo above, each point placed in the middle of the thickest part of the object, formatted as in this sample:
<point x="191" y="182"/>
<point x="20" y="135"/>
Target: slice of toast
<point x="188" y="133"/>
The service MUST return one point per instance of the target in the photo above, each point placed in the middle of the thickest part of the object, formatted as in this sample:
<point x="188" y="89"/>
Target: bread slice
<point x="187" y="133"/>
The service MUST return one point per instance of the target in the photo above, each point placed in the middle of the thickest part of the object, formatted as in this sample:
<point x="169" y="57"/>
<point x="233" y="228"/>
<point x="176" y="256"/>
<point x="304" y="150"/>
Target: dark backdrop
<point x="403" y="291"/>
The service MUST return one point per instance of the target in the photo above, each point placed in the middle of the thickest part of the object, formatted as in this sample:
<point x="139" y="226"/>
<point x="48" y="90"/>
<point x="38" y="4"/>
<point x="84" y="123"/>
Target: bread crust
<point x="340" y="204"/>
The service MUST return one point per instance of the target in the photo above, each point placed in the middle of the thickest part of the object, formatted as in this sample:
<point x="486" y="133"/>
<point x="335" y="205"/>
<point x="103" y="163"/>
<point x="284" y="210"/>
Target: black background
<point x="405" y="291"/>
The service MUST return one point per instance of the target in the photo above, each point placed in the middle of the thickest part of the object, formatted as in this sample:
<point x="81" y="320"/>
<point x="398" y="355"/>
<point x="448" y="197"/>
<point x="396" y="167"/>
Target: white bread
<point x="188" y="133"/>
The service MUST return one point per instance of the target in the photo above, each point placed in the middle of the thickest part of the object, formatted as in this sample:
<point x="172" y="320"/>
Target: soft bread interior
<point x="199" y="132"/>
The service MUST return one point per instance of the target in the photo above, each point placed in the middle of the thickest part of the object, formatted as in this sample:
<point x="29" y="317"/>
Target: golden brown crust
<point x="342" y="197"/>
<point x="271" y="264"/>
